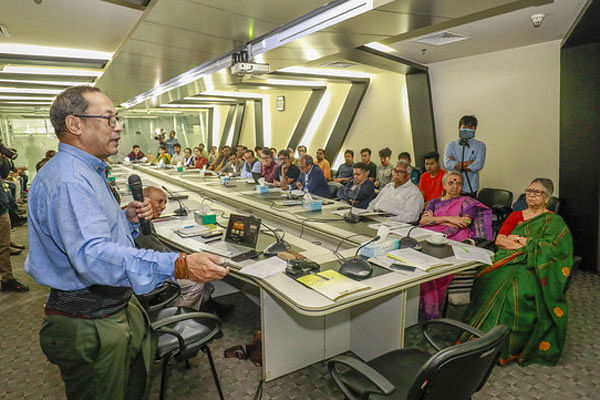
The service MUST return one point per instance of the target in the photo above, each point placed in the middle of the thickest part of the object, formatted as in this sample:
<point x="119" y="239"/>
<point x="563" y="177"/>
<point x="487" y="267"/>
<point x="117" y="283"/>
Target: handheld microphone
<point x="135" y="184"/>
<point x="349" y="216"/>
<point x="181" y="211"/>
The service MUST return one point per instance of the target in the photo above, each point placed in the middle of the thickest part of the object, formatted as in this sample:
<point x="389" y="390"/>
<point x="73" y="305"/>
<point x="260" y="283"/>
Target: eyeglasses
<point x="533" y="192"/>
<point x="112" y="119"/>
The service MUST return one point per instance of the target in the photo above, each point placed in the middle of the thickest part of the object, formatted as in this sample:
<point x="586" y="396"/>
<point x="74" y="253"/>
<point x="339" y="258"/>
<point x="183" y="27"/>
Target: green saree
<point x="524" y="290"/>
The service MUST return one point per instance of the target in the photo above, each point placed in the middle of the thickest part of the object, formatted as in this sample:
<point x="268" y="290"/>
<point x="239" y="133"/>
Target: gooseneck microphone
<point x="181" y="211"/>
<point x="135" y="185"/>
<point x="350" y="217"/>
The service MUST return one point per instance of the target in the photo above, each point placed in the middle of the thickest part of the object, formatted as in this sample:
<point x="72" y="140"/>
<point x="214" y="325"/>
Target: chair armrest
<point x="385" y="386"/>
<point x="169" y="331"/>
<point x="182" y="317"/>
<point x="450" y="322"/>
<point x="147" y="297"/>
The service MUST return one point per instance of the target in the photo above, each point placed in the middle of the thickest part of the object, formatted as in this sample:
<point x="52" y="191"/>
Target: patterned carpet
<point x="26" y="374"/>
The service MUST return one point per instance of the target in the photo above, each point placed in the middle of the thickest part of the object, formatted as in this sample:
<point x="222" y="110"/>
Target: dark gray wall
<point x="421" y="116"/>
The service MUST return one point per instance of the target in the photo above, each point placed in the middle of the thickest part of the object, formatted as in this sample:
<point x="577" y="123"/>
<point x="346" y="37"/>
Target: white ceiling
<point x="78" y="24"/>
<point x="496" y="33"/>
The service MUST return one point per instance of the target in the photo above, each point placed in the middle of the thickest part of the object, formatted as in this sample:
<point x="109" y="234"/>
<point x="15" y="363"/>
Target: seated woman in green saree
<point x="524" y="287"/>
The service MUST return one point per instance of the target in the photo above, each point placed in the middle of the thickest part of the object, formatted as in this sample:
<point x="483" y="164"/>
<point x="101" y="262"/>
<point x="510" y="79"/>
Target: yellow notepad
<point x="332" y="284"/>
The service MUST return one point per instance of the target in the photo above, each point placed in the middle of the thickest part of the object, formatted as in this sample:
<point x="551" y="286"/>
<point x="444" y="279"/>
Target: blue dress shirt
<point x="78" y="234"/>
<point x="475" y="151"/>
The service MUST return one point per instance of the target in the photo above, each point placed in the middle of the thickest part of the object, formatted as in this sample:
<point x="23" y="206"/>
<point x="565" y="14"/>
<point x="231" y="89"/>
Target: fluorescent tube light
<point x="289" y="82"/>
<point x="25" y="98"/>
<point x="49" y="83"/>
<point x="27" y="102"/>
<point x="208" y="99"/>
<point x="186" y="106"/>
<point x="17" y="69"/>
<point x="30" y="50"/>
<point x="380" y="47"/>
<point x="241" y="95"/>
<point x="325" y="72"/>
<point x="27" y="90"/>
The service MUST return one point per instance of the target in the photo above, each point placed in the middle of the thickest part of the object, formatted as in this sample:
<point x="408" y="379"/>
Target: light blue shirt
<point x="247" y="171"/>
<point x="476" y="152"/>
<point x="78" y="234"/>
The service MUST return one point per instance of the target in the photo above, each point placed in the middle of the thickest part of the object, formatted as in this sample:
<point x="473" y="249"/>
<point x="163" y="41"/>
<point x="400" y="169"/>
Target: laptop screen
<point x="243" y="230"/>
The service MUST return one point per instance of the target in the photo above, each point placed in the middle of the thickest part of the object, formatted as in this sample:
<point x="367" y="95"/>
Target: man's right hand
<point x="205" y="267"/>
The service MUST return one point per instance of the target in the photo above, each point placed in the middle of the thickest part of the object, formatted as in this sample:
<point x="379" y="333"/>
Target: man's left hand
<point x="136" y="210"/>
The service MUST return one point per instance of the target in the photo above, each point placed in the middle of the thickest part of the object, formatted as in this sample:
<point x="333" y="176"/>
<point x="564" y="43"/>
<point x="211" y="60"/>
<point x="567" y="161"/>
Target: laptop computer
<point x="240" y="238"/>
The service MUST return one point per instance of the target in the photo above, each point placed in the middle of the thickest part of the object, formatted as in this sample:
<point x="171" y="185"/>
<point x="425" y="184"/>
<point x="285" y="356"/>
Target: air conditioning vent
<point x="338" y="64"/>
<point x="440" y="38"/>
<point x="3" y="31"/>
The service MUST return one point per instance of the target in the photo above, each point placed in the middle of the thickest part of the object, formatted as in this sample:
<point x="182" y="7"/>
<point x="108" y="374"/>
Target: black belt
<point x="93" y="302"/>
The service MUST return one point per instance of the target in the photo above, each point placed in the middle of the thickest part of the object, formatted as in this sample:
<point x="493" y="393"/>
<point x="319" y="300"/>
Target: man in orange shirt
<point x="431" y="181"/>
<point x="323" y="164"/>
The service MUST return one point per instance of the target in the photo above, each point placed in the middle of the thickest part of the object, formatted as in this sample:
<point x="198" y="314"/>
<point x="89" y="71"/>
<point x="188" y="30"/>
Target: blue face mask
<point x="466" y="133"/>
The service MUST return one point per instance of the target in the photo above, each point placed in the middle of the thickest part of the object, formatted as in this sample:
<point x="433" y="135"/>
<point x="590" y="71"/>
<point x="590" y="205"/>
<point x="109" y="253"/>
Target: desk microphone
<point x="349" y="216"/>
<point x="135" y="185"/>
<point x="357" y="267"/>
<point x="412" y="243"/>
<point x="181" y="211"/>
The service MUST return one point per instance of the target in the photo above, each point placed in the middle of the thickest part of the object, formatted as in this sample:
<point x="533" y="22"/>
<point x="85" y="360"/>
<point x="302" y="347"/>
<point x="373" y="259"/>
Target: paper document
<point x="472" y="253"/>
<point x="417" y="259"/>
<point x="416" y="232"/>
<point x="332" y="284"/>
<point x="264" y="268"/>
<point x="356" y="211"/>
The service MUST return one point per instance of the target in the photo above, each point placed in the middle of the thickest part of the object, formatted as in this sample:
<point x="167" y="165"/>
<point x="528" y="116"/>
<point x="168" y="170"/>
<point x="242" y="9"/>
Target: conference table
<point x="299" y="325"/>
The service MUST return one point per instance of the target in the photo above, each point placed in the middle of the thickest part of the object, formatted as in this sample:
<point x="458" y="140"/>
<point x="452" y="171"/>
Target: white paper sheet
<point x="472" y="253"/>
<point x="264" y="268"/>
<point x="416" y="258"/>
<point x="356" y="211"/>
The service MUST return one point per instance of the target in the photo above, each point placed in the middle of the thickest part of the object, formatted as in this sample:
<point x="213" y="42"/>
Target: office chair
<point x="182" y="333"/>
<point x="500" y="201"/>
<point x="159" y="298"/>
<point x="333" y="188"/>
<point x="455" y="372"/>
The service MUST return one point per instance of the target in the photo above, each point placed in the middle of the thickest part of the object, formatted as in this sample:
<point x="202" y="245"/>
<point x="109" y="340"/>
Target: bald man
<point x="193" y="294"/>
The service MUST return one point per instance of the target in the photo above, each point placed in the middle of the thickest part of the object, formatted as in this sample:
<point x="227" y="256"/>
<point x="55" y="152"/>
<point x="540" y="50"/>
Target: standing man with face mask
<point x="466" y="154"/>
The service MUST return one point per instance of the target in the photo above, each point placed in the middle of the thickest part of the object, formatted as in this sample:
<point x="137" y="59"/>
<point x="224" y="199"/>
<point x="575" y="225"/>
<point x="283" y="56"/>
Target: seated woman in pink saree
<point x="459" y="218"/>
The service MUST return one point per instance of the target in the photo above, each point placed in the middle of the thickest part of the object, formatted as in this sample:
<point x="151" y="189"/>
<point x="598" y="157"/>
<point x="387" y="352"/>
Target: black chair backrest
<point x="495" y="198"/>
<point x="459" y="371"/>
<point x="333" y="188"/>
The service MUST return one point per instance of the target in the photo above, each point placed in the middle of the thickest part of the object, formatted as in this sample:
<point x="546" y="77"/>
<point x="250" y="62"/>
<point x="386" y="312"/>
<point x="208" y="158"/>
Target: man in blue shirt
<point x="82" y="247"/>
<point x="466" y="154"/>
<point x="311" y="178"/>
<point x="170" y="143"/>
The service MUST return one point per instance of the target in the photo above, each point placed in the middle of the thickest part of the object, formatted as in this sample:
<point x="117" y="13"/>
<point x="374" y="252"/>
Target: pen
<point x="213" y="240"/>
<point x="321" y="276"/>
<point x="188" y="227"/>
<point x="462" y="247"/>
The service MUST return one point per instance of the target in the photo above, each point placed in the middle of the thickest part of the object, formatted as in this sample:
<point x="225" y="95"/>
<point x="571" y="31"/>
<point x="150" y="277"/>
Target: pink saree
<point x="432" y="292"/>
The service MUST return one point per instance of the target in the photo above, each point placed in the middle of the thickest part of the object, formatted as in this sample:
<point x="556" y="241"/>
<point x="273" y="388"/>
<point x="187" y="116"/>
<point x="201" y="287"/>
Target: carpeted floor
<point x="26" y="374"/>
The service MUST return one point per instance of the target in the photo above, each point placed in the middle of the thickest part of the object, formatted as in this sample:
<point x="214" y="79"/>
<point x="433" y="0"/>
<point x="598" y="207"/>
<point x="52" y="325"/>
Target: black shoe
<point x="18" y="222"/>
<point x="13" y="285"/>
<point x="219" y="309"/>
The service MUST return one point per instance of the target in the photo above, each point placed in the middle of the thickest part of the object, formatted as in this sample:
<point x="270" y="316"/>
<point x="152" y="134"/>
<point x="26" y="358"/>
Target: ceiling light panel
<point x="440" y="38"/>
<point x="17" y="69"/>
<point x="325" y="72"/>
<point x="44" y="51"/>
<point x="26" y="98"/>
<point x="29" y="91"/>
<point x="34" y="82"/>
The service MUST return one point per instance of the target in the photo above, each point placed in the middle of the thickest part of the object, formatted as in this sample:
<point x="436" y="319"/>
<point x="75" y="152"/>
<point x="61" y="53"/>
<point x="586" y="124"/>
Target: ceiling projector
<point x="247" y="68"/>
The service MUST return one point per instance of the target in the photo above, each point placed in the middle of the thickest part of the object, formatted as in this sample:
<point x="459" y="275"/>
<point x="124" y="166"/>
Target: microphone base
<point x="274" y="248"/>
<point x="356" y="268"/>
<point x="409" y="243"/>
<point x="351" y="218"/>
<point x="181" y="212"/>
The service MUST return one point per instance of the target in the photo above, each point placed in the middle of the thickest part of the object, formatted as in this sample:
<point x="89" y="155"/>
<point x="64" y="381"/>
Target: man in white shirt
<point x="400" y="197"/>
<point x="177" y="154"/>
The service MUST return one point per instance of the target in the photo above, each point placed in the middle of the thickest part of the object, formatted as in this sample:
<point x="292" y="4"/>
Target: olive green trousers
<point x="105" y="358"/>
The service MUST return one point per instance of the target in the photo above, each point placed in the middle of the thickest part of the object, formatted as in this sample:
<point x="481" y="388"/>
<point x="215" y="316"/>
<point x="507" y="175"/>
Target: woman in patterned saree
<point x="459" y="218"/>
<point x="524" y="288"/>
